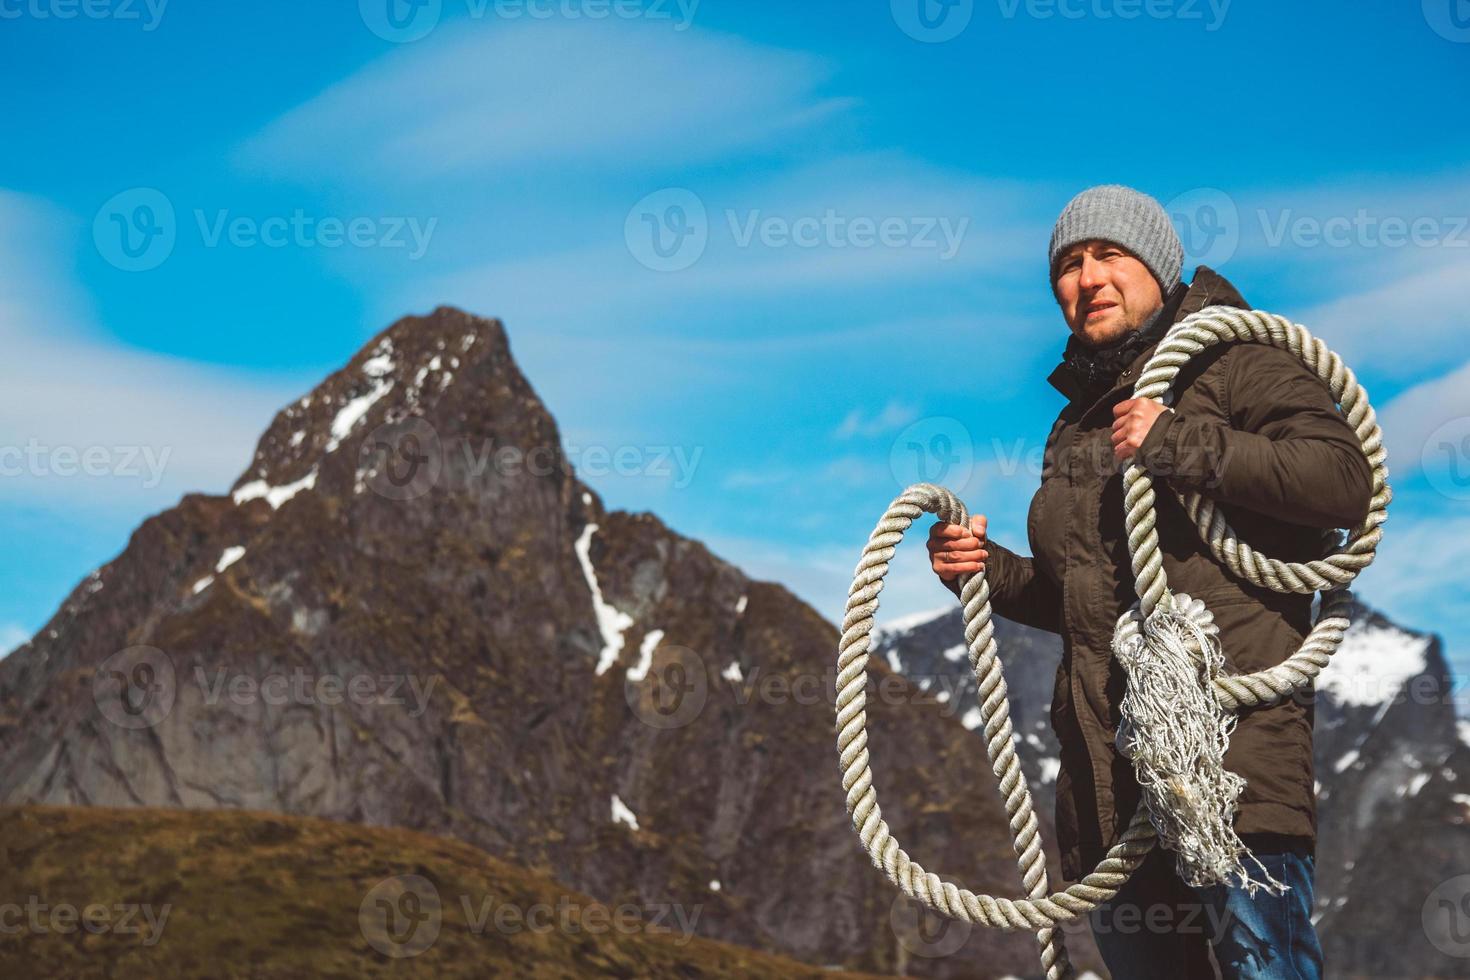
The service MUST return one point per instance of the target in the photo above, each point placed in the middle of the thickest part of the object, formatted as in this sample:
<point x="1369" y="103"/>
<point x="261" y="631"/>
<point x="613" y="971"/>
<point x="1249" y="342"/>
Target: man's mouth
<point x="1093" y="309"/>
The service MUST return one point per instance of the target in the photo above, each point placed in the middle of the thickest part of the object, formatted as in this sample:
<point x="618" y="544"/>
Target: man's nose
<point x="1092" y="273"/>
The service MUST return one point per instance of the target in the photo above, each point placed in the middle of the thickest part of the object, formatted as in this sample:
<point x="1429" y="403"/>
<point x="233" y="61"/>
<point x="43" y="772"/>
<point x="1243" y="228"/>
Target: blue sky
<point x="765" y="249"/>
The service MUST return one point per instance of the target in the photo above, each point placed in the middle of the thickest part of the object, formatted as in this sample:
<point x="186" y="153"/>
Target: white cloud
<point x="792" y="235"/>
<point x="1415" y="414"/>
<point x="892" y="416"/>
<point x="478" y="100"/>
<point x="87" y="422"/>
<point x="1402" y="328"/>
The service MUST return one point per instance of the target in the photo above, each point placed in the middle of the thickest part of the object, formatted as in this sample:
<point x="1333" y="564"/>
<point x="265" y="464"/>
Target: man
<point x="1259" y="433"/>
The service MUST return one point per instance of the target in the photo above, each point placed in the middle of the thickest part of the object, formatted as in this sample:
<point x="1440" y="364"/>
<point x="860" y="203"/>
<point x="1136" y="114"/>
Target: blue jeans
<point x="1159" y="928"/>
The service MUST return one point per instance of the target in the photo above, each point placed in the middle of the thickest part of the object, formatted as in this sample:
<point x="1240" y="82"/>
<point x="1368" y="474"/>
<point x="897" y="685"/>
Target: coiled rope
<point x="1042" y="910"/>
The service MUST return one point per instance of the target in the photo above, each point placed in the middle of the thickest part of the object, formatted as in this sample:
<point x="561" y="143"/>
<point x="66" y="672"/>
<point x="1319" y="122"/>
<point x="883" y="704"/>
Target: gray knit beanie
<point x="1128" y="217"/>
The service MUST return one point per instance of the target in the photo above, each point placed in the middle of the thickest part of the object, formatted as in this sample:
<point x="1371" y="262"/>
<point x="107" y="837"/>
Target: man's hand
<point x="954" y="549"/>
<point x="1131" y="421"/>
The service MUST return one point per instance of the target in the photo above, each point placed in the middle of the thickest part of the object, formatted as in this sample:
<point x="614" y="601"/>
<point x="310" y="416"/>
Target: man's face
<point x="1104" y="291"/>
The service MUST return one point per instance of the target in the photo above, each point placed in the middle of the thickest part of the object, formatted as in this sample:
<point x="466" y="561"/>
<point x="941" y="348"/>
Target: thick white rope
<point x="1192" y="642"/>
<point x="1176" y="734"/>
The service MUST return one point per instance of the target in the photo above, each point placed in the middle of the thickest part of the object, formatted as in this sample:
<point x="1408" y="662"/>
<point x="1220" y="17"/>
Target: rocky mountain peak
<point x="428" y="397"/>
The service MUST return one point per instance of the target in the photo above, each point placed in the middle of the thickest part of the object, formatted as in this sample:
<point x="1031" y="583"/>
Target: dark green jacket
<point x="1259" y="433"/>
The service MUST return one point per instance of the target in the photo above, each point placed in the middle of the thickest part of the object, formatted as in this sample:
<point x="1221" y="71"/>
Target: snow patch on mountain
<point x="910" y="622"/>
<point x="228" y="557"/>
<point x="275" y="496"/>
<point x="1372" y="664"/>
<point x="610" y="621"/>
<point x="645" y="655"/>
<point x="621" y="814"/>
<point x="379" y="368"/>
<point x="1415" y="784"/>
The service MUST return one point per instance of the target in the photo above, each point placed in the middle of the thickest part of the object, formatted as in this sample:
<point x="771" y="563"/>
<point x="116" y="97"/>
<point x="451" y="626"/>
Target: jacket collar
<point x="1207" y="288"/>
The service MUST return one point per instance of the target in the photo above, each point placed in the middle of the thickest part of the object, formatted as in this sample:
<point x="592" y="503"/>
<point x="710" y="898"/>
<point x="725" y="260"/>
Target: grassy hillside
<point x="92" y="892"/>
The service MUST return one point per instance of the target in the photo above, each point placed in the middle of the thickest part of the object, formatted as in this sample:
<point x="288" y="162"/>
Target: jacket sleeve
<point x="1286" y="451"/>
<point x="1019" y="591"/>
